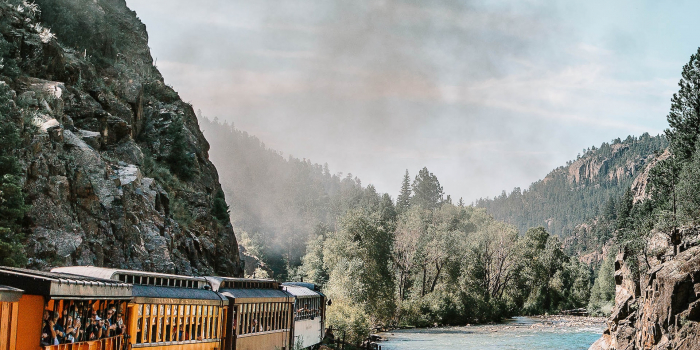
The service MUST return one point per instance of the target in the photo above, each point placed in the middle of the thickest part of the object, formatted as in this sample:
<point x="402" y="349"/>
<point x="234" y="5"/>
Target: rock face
<point x="663" y="310"/>
<point x="639" y="186"/>
<point x="591" y="169"/>
<point x="96" y="172"/>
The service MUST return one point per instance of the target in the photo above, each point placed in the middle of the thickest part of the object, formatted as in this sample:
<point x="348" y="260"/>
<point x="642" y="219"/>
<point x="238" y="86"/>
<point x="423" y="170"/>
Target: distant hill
<point x="580" y="191"/>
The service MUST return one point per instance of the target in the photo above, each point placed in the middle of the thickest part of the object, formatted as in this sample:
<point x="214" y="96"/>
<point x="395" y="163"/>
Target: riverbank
<point x="519" y="333"/>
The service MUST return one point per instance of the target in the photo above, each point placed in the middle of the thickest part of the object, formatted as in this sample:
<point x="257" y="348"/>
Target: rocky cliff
<point x="115" y="169"/>
<point x="661" y="308"/>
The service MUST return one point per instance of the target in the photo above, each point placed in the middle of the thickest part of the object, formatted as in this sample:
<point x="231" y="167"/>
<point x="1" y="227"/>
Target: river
<point x="520" y="333"/>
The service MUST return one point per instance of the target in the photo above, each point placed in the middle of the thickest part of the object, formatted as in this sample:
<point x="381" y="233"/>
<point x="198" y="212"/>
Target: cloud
<point x="488" y="95"/>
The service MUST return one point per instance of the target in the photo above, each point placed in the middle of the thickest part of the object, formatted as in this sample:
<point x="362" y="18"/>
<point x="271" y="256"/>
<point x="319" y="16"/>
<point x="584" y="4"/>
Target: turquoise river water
<point x="521" y="333"/>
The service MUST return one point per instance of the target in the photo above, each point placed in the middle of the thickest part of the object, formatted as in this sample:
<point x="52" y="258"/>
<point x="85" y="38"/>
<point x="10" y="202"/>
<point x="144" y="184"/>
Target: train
<point x="98" y="308"/>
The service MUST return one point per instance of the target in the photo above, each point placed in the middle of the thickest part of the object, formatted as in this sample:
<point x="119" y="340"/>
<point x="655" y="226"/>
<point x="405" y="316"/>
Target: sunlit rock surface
<point x="663" y="310"/>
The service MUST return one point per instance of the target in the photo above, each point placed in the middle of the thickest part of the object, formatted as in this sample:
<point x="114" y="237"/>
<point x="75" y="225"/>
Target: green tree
<point x="427" y="192"/>
<point x="689" y="191"/>
<point x="684" y="116"/>
<point x="181" y="162"/>
<point x="602" y="297"/>
<point x="403" y="201"/>
<point x="12" y="204"/>
<point x="663" y="181"/>
<point x="220" y="210"/>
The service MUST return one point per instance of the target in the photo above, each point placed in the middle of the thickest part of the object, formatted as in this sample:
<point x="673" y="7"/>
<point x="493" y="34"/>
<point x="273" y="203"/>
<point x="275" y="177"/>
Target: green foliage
<point x="551" y="281"/>
<point x="448" y="265"/>
<point x="689" y="191"/>
<point x="403" y="201"/>
<point x="180" y="212"/>
<point x="12" y="204"/>
<point x="684" y="116"/>
<point x="602" y="297"/>
<point x="181" y="161"/>
<point x="220" y="210"/>
<point x="427" y="192"/>
<point x="78" y="26"/>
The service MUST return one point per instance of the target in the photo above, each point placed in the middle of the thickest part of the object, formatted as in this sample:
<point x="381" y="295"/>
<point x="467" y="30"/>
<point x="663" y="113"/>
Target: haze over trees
<point x="421" y="260"/>
<point x="416" y="260"/>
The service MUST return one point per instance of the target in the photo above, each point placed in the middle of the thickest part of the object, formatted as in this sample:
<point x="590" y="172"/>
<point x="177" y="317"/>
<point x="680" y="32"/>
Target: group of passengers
<point x="67" y="327"/>
<point x="307" y="311"/>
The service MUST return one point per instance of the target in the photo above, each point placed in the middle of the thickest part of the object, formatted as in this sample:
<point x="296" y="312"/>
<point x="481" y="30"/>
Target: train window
<point x="169" y="323"/>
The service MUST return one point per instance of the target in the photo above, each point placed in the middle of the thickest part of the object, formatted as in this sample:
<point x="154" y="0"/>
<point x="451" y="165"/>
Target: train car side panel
<point x="263" y="341"/>
<point x="8" y="324"/>
<point x="307" y="333"/>
<point x="31" y="311"/>
<point x="211" y="345"/>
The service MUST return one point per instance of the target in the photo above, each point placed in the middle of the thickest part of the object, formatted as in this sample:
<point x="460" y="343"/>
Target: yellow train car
<point x="261" y="314"/>
<point x="9" y="307"/>
<point x="55" y="310"/>
<point x="167" y="312"/>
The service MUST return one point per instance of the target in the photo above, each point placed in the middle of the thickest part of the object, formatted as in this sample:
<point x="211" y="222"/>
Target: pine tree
<point x="684" y="117"/>
<point x="180" y="160"/>
<point x="427" y="192"/>
<point x="663" y="180"/>
<point x="689" y="191"/>
<point x="220" y="210"/>
<point x="404" y="199"/>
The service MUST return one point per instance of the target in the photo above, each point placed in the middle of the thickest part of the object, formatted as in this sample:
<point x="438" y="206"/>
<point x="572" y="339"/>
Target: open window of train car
<point x="261" y="317"/>
<point x="9" y="307"/>
<point x="67" y="312"/>
<point x="309" y="313"/>
<point x="169" y="311"/>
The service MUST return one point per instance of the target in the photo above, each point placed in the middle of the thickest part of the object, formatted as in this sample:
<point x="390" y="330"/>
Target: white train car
<point x="309" y="313"/>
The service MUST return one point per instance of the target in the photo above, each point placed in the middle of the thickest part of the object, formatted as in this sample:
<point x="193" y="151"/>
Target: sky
<point x="488" y="95"/>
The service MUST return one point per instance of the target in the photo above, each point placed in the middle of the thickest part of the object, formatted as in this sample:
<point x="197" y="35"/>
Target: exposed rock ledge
<point x="663" y="310"/>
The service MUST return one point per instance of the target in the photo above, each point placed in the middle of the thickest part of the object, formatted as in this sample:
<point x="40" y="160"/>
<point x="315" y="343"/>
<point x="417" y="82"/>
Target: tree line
<point x="422" y="261"/>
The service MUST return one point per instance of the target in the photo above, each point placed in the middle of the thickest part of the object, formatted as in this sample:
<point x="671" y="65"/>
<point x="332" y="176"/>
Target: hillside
<point x="279" y="201"/>
<point x="580" y="191"/>
<point x="102" y="163"/>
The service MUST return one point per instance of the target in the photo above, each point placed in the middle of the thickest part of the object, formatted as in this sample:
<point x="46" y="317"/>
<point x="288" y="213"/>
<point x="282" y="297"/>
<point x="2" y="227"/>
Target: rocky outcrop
<point x="97" y="179"/>
<point x="595" y="168"/>
<point x="660" y="310"/>
<point x="639" y="186"/>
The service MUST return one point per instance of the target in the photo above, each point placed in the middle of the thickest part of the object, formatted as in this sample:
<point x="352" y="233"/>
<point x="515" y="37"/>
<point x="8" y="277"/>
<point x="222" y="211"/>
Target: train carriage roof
<point x="300" y="292"/>
<point x="176" y="295"/>
<point x="9" y="294"/>
<point x="310" y="286"/>
<point x="248" y="290"/>
<point x="63" y="286"/>
<point x="135" y="277"/>
<point x="244" y="293"/>
<point x="154" y="287"/>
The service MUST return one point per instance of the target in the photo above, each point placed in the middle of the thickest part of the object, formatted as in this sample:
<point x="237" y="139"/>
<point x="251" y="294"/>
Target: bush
<point x="181" y="162"/>
<point x="220" y="210"/>
<point x="12" y="205"/>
